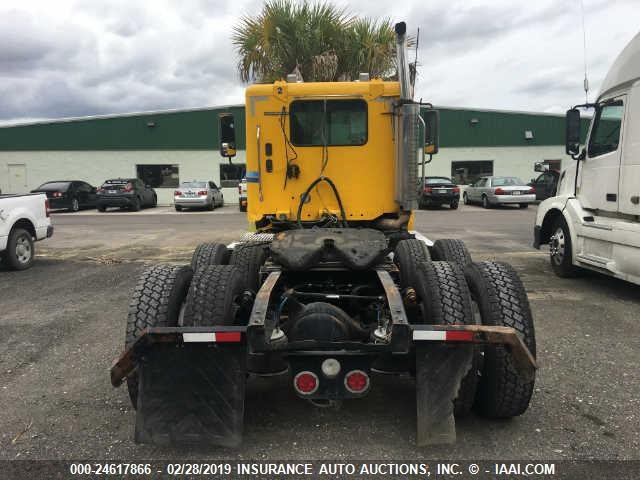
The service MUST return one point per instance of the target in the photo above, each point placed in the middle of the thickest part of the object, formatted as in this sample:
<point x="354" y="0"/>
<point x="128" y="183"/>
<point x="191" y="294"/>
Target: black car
<point x="129" y="193"/>
<point x="546" y="184"/>
<point x="69" y="194"/>
<point x="438" y="191"/>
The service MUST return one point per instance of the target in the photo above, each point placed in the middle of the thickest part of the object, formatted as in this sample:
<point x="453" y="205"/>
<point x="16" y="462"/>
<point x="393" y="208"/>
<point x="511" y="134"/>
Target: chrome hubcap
<point x="557" y="246"/>
<point x="23" y="250"/>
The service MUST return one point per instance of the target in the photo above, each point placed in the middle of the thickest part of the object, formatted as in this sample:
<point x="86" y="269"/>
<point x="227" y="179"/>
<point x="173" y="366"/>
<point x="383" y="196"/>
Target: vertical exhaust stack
<point x="406" y="114"/>
<point x="406" y="91"/>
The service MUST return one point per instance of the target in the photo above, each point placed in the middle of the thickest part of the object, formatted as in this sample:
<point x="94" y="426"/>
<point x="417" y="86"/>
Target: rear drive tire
<point x="446" y="300"/>
<point x="450" y="250"/>
<point x="213" y="297"/>
<point x="407" y="256"/>
<point x="561" y="250"/>
<point x="209" y="254"/>
<point x="248" y="258"/>
<point x="502" y="301"/>
<point x="157" y="300"/>
<point x="20" y="251"/>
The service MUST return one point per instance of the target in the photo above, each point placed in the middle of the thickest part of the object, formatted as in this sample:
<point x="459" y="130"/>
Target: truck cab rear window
<point x="331" y="122"/>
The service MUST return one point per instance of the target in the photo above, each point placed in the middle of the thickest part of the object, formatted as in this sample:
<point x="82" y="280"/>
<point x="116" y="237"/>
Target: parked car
<point x="24" y="219"/>
<point x="68" y="194"/>
<point x="198" y="194"/>
<point x="131" y="193"/>
<point x="490" y="191"/>
<point x="546" y="184"/>
<point x="438" y="191"/>
<point x="242" y="195"/>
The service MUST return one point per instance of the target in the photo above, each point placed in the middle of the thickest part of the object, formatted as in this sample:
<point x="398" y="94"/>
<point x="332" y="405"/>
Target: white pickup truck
<point x="24" y="219"/>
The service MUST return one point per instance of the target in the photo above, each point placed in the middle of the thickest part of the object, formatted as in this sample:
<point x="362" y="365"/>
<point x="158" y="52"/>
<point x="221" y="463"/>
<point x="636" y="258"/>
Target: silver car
<point x="198" y="194"/>
<point x="490" y="191"/>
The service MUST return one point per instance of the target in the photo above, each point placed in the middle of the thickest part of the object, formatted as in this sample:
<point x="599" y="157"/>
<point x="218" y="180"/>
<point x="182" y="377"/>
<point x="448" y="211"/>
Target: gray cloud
<point x="88" y="57"/>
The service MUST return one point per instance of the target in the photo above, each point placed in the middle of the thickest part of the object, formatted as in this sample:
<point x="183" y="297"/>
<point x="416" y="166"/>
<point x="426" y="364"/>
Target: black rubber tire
<point x="454" y="205"/>
<point x="502" y="300"/>
<point x="446" y="300"/>
<point x="178" y="208"/>
<point x="135" y="204"/>
<point x="524" y="205"/>
<point x="212" y="296"/>
<point x="154" y="204"/>
<point x="23" y="237"/>
<point x="156" y="302"/>
<point x="101" y="208"/>
<point x="485" y="202"/>
<point x="407" y="255"/>
<point x="75" y="205"/>
<point x="211" y="207"/>
<point x="562" y="265"/>
<point x="248" y="258"/>
<point x="209" y="254"/>
<point x="450" y="250"/>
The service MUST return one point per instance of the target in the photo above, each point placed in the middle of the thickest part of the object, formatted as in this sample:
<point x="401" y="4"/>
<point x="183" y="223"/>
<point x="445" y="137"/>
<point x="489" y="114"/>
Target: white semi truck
<point x="594" y="220"/>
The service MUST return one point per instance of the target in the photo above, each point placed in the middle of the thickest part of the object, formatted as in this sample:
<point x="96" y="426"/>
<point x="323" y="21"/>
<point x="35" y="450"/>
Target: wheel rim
<point x="75" y="206"/>
<point x="23" y="250"/>
<point x="557" y="246"/>
<point x="464" y="199"/>
<point x="485" y="203"/>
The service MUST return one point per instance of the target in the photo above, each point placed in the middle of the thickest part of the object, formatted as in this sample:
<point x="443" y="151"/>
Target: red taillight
<point x="456" y="189"/>
<point x="128" y="187"/>
<point x="47" y="211"/>
<point x="305" y="383"/>
<point x="499" y="191"/>
<point x="428" y="189"/>
<point x="532" y="190"/>
<point x="202" y="193"/>
<point x="356" y="381"/>
<point x="177" y="193"/>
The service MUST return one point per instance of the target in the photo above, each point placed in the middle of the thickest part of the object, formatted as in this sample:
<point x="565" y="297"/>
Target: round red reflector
<point x="356" y="381"/>
<point x="306" y="383"/>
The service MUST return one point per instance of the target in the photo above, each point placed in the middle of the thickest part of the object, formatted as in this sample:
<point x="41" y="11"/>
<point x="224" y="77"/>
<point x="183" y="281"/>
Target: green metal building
<point x="167" y="147"/>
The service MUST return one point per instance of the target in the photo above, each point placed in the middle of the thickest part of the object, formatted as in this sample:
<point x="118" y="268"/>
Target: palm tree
<point x="320" y="41"/>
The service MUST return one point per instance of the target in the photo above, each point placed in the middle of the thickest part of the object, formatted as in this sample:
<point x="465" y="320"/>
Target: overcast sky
<point x="93" y="57"/>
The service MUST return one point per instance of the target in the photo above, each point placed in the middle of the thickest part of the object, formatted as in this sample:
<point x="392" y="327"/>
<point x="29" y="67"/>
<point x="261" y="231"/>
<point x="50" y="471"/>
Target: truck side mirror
<point x="431" y="131"/>
<point x="572" y="146"/>
<point x="226" y="135"/>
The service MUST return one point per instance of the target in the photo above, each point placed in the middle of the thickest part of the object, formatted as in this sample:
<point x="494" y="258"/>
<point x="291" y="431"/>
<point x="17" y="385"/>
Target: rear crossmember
<point x="193" y="378"/>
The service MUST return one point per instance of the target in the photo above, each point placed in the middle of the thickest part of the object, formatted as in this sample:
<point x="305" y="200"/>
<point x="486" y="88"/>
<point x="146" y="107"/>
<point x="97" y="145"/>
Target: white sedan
<point x="490" y="191"/>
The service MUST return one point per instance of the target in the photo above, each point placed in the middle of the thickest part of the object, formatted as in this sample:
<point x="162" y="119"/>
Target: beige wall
<point x="97" y="166"/>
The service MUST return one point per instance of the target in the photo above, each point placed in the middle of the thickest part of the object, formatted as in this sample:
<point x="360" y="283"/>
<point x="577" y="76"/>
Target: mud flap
<point x="191" y="393"/>
<point x="439" y="370"/>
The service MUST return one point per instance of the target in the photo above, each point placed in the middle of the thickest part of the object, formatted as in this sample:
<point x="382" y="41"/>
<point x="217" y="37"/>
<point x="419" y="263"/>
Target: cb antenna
<point x="413" y="67"/>
<point x="584" y="48"/>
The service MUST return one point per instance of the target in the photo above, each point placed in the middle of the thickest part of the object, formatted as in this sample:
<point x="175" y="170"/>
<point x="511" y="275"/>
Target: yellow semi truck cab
<point x="299" y="132"/>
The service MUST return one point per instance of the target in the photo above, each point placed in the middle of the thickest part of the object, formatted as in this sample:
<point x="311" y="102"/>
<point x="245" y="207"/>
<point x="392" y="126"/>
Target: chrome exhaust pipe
<point x="406" y="91"/>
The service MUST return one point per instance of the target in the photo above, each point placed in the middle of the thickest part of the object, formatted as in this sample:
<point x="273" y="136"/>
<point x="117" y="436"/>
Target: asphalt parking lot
<point x="63" y="322"/>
